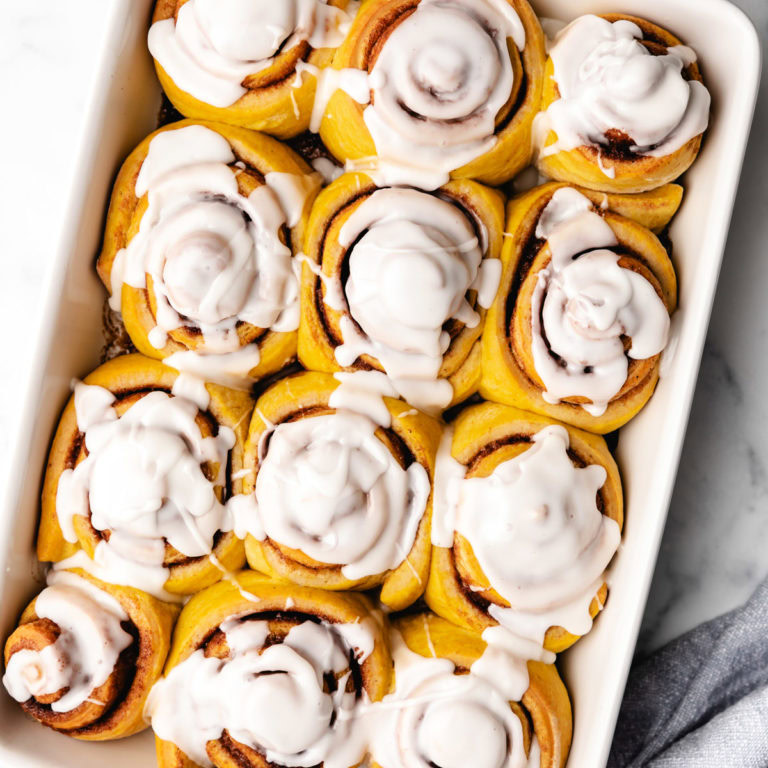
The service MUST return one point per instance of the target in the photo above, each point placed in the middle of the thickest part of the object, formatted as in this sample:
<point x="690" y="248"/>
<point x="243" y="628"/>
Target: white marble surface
<point x="714" y="550"/>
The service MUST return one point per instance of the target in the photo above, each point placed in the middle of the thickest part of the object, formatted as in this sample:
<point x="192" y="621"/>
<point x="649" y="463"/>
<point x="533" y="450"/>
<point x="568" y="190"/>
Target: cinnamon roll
<point x="269" y="674"/>
<point x="582" y="314"/>
<point x="624" y="107"/>
<point x="85" y="655"/>
<point x="337" y="498"/>
<point x="253" y="64"/>
<point x="139" y="473"/>
<point x="397" y="280"/>
<point x="198" y="249"/>
<point x="424" y="90"/>
<point x="464" y="700"/>
<point x="527" y="516"/>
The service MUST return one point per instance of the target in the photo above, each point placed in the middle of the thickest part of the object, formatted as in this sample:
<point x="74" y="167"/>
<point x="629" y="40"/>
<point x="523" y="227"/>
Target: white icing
<point x="92" y="405"/>
<point x="191" y="388"/>
<point x="584" y="303"/>
<point x="157" y="337"/>
<point x="330" y="488"/>
<point x="214" y="45"/>
<point x="230" y="369"/>
<point x="413" y="259"/>
<point x="271" y="701"/>
<point x="504" y="661"/>
<point x="84" y="654"/>
<point x="245" y="515"/>
<point x="116" y="564"/>
<point x="440" y="80"/>
<point x="535" y="529"/>
<point x="487" y="281"/>
<point x="364" y="392"/>
<point x="352" y="81"/>
<point x="449" y="474"/>
<point x="436" y="717"/>
<point x="292" y="192"/>
<point x="334" y="292"/>
<point x="142" y="481"/>
<point x="608" y="80"/>
<point x="574" y="616"/>
<point x="215" y="257"/>
<point x="327" y="169"/>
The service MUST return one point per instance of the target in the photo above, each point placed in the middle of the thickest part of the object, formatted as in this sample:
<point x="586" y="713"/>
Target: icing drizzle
<point x="439" y="82"/>
<point x="437" y="717"/>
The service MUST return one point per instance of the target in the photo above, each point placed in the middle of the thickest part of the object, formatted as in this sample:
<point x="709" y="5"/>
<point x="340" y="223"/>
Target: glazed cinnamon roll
<point x="337" y="498"/>
<point x="253" y="64"/>
<point x="582" y="314"/>
<point x="624" y="106"/>
<point x="269" y="674"/>
<point x="527" y="516"/>
<point x="85" y="655"/>
<point x="460" y="700"/>
<point x="424" y="90"/>
<point x="198" y="249"/>
<point x="138" y="477"/>
<point x="397" y="280"/>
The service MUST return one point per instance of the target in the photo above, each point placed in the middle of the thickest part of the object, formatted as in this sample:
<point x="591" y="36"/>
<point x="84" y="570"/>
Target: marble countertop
<point x="713" y="552"/>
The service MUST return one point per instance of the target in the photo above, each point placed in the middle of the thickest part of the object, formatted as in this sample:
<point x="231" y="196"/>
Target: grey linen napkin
<point x="702" y="700"/>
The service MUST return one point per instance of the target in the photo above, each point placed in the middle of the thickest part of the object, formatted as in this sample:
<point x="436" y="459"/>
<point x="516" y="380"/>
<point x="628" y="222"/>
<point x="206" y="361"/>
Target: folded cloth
<point x="702" y="700"/>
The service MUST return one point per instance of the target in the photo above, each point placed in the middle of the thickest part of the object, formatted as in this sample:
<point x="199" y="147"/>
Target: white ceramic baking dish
<point x="123" y="108"/>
